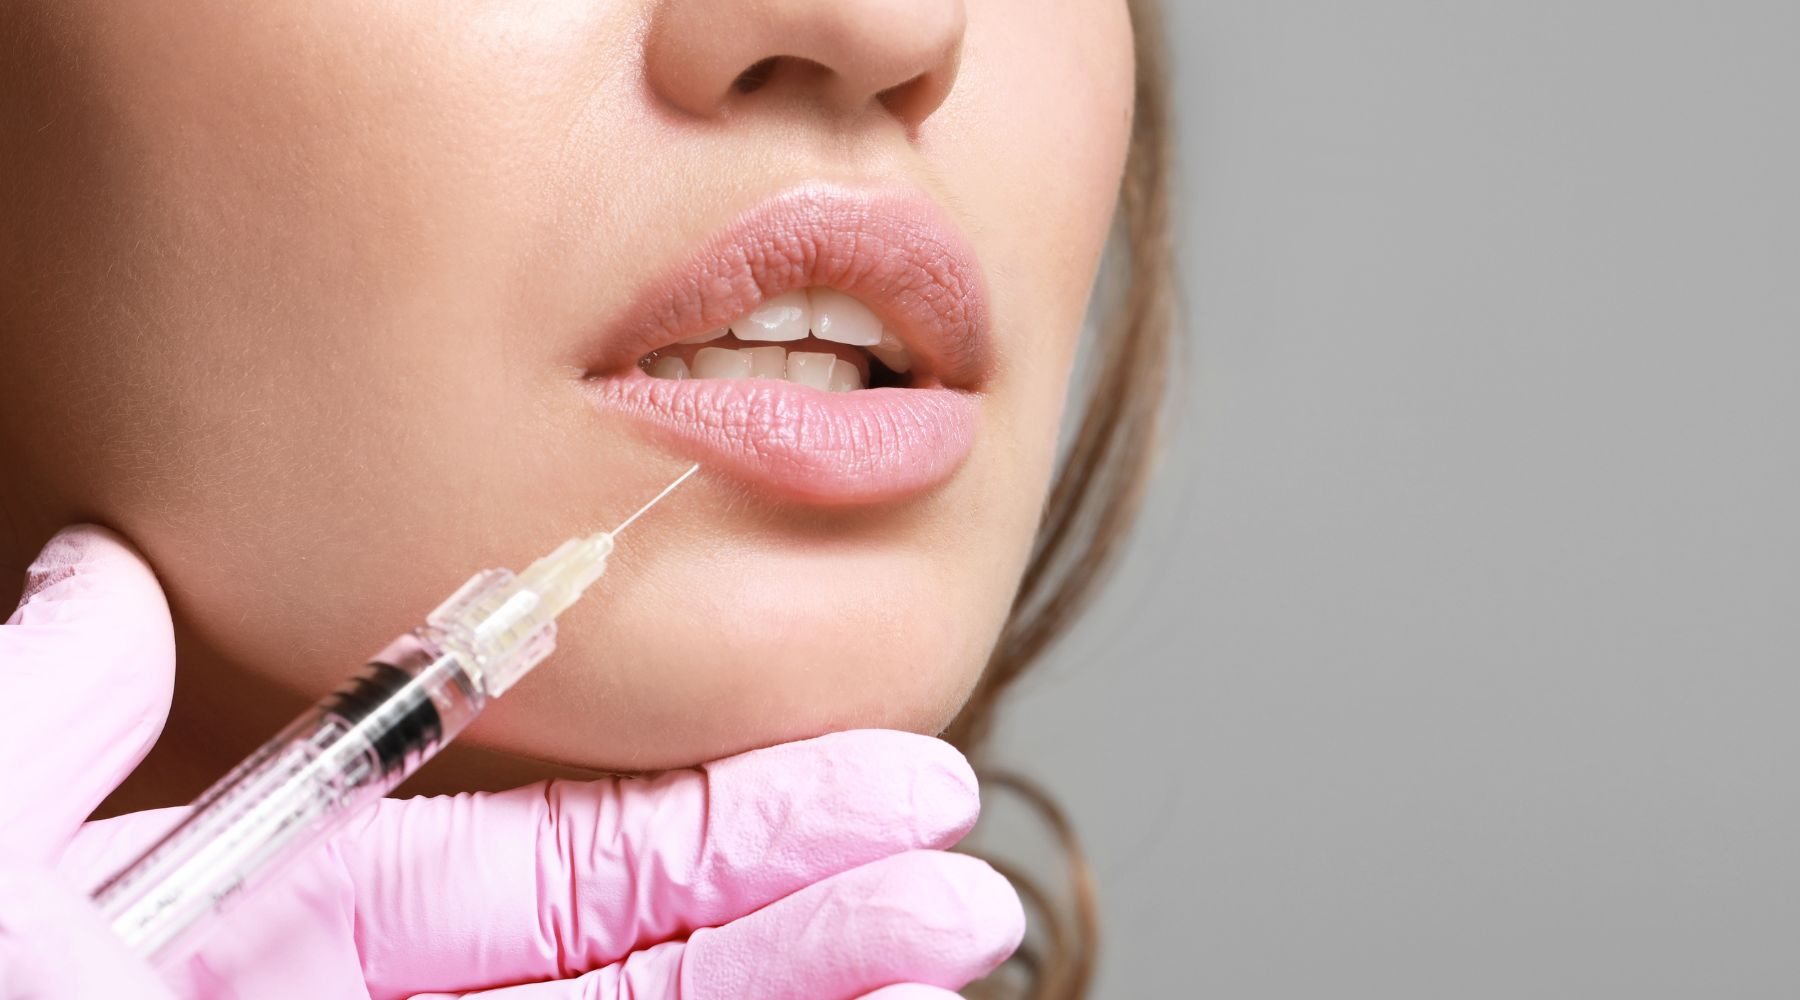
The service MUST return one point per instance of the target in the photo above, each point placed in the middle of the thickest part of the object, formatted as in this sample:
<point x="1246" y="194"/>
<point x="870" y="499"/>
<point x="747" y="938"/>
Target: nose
<point x="706" y="56"/>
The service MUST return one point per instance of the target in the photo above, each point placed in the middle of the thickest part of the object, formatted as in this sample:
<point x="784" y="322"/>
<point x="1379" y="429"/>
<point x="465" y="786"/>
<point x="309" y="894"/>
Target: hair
<point x="1093" y="500"/>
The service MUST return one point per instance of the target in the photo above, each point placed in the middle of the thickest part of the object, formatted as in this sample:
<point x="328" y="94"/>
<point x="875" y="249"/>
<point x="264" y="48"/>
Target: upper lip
<point x="894" y="250"/>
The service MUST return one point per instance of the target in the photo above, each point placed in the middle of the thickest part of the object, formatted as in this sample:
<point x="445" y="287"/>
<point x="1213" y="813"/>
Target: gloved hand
<point x="812" y="869"/>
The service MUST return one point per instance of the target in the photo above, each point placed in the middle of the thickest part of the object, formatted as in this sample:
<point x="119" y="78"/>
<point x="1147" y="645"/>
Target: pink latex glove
<point x="810" y="870"/>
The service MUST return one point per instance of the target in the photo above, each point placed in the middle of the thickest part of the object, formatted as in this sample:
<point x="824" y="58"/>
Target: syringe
<point x="352" y="748"/>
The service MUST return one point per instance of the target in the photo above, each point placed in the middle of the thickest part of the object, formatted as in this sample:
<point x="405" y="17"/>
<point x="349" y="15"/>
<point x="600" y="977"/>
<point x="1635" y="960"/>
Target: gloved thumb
<point x="87" y="667"/>
<point x="53" y="943"/>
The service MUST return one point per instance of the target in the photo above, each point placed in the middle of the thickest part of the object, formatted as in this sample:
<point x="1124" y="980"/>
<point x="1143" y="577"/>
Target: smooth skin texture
<point x="295" y="294"/>
<point x="813" y="868"/>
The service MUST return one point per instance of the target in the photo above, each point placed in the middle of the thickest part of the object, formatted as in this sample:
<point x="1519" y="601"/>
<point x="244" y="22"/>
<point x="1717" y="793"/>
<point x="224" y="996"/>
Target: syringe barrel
<point x="338" y="756"/>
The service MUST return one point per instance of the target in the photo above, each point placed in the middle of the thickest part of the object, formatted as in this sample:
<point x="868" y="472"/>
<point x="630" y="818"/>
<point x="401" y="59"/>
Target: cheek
<point x="275" y="254"/>
<point x="1032" y="142"/>
<point x="1035" y="136"/>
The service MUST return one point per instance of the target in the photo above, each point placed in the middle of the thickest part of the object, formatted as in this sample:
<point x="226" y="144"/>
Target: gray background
<point x="1458" y="655"/>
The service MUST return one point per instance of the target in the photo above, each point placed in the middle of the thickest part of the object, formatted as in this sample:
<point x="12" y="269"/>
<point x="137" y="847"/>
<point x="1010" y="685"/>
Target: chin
<point x="645" y="684"/>
<point x="724" y="700"/>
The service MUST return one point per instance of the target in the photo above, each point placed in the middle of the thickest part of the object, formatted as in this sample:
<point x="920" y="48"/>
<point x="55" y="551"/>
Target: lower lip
<point x="865" y="446"/>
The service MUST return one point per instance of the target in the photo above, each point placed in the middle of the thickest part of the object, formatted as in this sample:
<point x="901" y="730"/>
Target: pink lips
<point x="894" y="252"/>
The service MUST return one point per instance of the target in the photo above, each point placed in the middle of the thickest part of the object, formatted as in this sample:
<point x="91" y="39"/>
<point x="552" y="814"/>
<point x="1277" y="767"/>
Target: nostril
<point x="916" y="99"/>
<point x="788" y="72"/>
<point x="841" y="57"/>
<point x="752" y="79"/>
<point x="900" y="98"/>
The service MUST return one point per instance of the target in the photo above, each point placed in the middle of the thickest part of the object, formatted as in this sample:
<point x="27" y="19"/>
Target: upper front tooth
<point x="708" y="335"/>
<point x="721" y="362"/>
<point x="840" y="318"/>
<point x="892" y="353"/>
<point x="785" y="317"/>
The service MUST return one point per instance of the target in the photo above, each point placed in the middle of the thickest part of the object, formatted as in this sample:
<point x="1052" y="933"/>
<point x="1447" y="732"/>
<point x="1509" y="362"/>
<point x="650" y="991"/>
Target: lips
<point x="897" y="254"/>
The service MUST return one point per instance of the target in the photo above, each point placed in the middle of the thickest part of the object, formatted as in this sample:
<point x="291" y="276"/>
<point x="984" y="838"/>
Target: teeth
<point x="785" y="317"/>
<point x="816" y="369"/>
<point x="824" y="313"/>
<point x="809" y="368"/>
<point x="844" y="377"/>
<point x="892" y="353"/>
<point x="720" y="362"/>
<point x="767" y="362"/>
<point x="669" y="367"/>
<point x="841" y="319"/>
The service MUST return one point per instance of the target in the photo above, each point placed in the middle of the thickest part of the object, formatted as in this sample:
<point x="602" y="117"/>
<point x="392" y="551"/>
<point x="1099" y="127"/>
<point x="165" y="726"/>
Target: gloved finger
<point x="556" y="879"/>
<point x="899" y="991"/>
<point x="100" y="848"/>
<point x="88" y="665"/>
<point x="53" y="943"/>
<point x="288" y="938"/>
<point x="925" y="917"/>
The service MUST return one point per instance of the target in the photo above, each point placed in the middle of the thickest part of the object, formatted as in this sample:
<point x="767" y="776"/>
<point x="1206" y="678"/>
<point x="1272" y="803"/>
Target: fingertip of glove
<point x="944" y="784"/>
<point x="93" y="609"/>
<point x="84" y="543"/>
<point x="923" y="917"/>
<point x="78" y="557"/>
<point x="952" y="907"/>
<point x="992" y="905"/>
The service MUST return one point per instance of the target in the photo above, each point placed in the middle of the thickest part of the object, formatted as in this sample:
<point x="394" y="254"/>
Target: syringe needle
<point x="655" y="499"/>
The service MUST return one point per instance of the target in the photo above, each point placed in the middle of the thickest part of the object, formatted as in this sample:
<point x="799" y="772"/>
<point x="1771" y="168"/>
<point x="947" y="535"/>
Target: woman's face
<point x="328" y="303"/>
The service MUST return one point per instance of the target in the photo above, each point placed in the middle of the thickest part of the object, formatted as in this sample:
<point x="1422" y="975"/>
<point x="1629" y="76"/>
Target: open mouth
<point x="830" y="346"/>
<point x="818" y="337"/>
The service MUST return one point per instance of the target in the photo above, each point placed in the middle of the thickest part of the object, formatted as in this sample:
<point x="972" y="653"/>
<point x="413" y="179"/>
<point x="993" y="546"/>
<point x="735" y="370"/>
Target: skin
<point x="291" y="294"/>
